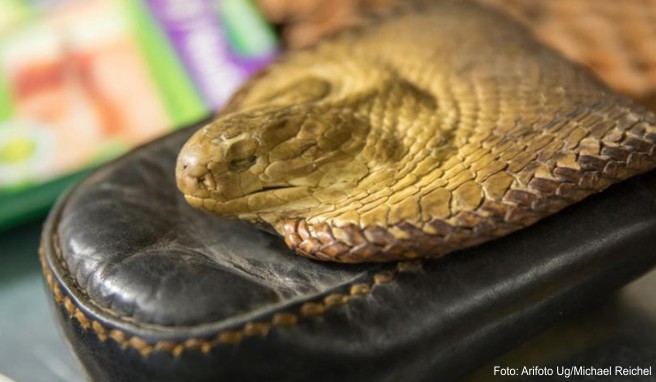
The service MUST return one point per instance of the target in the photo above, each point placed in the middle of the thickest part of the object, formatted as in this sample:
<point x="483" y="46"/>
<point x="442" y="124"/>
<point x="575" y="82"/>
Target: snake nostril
<point x="207" y="181"/>
<point x="193" y="178"/>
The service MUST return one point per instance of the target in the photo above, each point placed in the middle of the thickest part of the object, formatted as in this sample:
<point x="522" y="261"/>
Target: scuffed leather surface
<point x="140" y="261"/>
<point x="139" y="249"/>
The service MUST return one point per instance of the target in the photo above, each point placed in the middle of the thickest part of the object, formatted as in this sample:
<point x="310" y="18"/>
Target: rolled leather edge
<point x="419" y="321"/>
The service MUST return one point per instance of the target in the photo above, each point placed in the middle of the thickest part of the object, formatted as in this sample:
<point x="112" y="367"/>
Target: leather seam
<point x="227" y="337"/>
<point x="59" y="258"/>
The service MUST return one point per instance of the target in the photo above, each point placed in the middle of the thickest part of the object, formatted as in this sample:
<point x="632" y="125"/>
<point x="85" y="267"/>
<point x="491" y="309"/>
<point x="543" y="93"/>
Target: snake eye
<point x="241" y="154"/>
<point x="242" y="164"/>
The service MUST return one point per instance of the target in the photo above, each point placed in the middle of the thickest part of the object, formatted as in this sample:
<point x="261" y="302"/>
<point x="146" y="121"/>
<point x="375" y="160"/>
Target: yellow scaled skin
<point x="428" y="132"/>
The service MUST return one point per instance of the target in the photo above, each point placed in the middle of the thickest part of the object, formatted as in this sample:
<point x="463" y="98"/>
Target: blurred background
<point x="83" y="81"/>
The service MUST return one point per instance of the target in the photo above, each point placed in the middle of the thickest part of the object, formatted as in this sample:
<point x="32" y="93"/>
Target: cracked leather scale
<point x="426" y="132"/>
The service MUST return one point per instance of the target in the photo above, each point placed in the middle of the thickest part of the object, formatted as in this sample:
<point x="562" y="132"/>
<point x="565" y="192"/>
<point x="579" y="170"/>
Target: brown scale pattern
<point x="470" y="130"/>
<point x="553" y="178"/>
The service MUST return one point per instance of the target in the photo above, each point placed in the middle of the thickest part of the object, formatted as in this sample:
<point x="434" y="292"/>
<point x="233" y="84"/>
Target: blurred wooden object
<point x="302" y="22"/>
<point x="614" y="38"/>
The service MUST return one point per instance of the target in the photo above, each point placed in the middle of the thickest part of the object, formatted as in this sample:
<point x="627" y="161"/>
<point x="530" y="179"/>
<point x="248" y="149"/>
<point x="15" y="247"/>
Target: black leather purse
<point x="147" y="289"/>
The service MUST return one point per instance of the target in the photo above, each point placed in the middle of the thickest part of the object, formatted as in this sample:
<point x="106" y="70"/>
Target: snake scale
<point x="428" y="131"/>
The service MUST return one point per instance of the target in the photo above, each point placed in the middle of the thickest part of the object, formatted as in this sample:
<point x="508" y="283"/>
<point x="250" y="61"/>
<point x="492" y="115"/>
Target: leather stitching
<point x="73" y="282"/>
<point x="307" y="310"/>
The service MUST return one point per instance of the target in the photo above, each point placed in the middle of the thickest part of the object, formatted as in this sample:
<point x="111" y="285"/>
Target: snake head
<point x="245" y="164"/>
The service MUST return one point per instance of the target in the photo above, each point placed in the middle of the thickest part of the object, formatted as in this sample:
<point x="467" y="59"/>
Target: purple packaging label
<point x="194" y="29"/>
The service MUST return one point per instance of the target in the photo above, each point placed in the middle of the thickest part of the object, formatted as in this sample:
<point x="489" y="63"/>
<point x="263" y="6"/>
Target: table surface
<point x="620" y="331"/>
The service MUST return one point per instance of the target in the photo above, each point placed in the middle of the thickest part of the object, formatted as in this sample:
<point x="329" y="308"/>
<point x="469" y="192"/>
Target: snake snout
<point x="194" y="180"/>
<point x="219" y="170"/>
<point x="193" y="174"/>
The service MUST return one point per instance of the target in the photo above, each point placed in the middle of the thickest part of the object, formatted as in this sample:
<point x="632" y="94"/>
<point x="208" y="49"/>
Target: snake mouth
<point x="263" y="200"/>
<point x="269" y="189"/>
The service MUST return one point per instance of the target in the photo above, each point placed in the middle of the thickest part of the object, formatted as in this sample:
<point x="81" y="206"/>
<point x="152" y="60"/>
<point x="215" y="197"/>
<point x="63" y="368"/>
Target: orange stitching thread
<point x="308" y="309"/>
